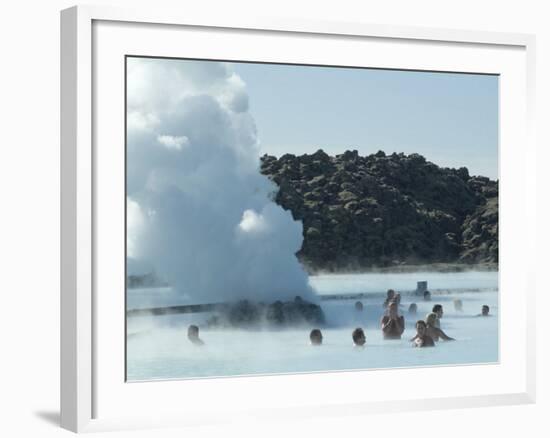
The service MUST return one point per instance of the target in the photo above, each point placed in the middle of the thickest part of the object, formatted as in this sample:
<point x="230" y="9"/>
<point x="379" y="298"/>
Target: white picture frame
<point x="86" y="377"/>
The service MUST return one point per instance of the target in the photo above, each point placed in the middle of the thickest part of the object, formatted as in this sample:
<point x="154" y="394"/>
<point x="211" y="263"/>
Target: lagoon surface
<point x="157" y="346"/>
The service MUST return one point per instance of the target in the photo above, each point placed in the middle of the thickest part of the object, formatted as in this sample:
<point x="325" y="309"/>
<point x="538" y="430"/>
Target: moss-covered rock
<point x="379" y="210"/>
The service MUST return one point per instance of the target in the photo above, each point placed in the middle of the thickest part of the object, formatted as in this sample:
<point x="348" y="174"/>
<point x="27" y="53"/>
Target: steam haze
<point x="198" y="210"/>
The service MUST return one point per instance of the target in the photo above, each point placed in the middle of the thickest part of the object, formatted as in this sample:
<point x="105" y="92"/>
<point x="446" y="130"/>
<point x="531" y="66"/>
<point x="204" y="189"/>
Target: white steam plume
<point x="199" y="211"/>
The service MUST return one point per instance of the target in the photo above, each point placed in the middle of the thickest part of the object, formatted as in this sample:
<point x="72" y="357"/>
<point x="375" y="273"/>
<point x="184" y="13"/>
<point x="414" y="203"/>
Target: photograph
<point x="295" y="218"/>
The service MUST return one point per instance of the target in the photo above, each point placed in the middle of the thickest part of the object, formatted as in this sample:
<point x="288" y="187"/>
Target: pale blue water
<point x="158" y="348"/>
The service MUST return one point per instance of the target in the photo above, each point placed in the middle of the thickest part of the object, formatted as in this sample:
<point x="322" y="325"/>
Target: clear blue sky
<point x="451" y="119"/>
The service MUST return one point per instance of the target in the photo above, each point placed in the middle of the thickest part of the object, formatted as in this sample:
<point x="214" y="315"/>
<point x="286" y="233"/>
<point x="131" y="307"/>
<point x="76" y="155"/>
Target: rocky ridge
<point x="362" y="212"/>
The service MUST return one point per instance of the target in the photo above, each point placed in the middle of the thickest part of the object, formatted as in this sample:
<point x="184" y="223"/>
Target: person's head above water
<point x="420" y="328"/>
<point x="193" y="335"/>
<point x="359" y="306"/>
<point x="427" y="296"/>
<point x="438" y="310"/>
<point x="485" y="310"/>
<point x="358" y="337"/>
<point x="390" y="294"/>
<point x="397" y="298"/>
<point x="413" y="308"/>
<point x="431" y="318"/>
<point x="316" y="337"/>
<point x="193" y="332"/>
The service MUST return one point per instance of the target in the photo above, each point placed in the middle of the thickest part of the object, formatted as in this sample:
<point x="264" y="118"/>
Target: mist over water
<point x="199" y="213"/>
<point x="405" y="282"/>
<point x="158" y="347"/>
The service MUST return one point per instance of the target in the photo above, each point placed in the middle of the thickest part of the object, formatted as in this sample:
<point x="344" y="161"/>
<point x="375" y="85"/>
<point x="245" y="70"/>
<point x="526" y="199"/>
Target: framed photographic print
<point x="252" y="210"/>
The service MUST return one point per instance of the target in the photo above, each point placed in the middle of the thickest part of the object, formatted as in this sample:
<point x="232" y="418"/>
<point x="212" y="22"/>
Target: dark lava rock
<point x="247" y="314"/>
<point x="380" y="210"/>
<point x="480" y="234"/>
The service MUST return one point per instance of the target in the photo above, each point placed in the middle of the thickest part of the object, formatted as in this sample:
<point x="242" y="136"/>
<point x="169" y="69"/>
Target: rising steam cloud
<point x="199" y="212"/>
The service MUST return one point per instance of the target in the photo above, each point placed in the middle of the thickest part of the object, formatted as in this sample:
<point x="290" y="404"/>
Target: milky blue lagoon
<point x="157" y="346"/>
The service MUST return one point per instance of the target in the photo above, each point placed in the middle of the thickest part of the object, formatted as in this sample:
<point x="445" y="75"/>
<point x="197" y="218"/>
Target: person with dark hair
<point x="193" y="335"/>
<point x="316" y="337"/>
<point x="412" y="309"/>
<point x="435" y="332"/>
<point x="421" y="339"/>
<point x="359" y="306"/>
<point x="358" y="337"/>
<point x="427" y="296"/>
<point x="438" y="310"/>
<point x="484" y="310"/>
<point x="393" y="325"/>
<point x="389" y="297"/>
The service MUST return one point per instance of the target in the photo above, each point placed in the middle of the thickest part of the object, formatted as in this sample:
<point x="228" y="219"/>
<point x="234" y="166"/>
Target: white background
<point x="29" y="240"/>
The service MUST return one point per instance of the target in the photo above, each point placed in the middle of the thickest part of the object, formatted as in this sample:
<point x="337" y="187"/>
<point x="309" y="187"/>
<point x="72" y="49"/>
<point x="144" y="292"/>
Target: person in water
<point x="484" y="310"/>
<point x="359" y="306"/>
<point x="458" y="305"/>
<point x="433" y="331"/>
<point x="413" y="309"/>
<point x="389" y="297"/>
<point x="427" y="296"/>
<point x="358" y="337"/>
<point x="438" y="310"/>
<point x="397" y="298"/>
<point x="316" y="337"/>
<point x="422" y="339"/>
<point x="193" y="335"/>
<point x="393" y="325"/>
